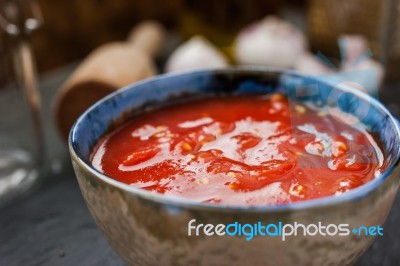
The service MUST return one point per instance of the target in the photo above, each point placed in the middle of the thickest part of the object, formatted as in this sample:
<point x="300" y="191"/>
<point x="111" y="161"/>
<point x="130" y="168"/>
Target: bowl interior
<point x="167" y="89"/>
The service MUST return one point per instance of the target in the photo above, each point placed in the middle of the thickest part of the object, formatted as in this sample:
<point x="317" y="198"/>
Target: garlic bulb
<point x="270" y="42"/>
<point x="197" y="53"/>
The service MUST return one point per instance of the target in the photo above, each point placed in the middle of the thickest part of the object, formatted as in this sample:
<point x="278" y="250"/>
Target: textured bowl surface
<point x="147" y="228"/>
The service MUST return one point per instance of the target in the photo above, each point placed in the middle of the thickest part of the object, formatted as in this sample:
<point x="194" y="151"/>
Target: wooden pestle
<point x="106" y="69"/>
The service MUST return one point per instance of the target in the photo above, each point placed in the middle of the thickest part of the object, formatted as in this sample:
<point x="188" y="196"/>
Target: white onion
<point x="197" y="53"/>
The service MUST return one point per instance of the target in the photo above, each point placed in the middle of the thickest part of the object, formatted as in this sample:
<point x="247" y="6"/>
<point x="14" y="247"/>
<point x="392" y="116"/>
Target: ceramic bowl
<point x="146" y="228"/>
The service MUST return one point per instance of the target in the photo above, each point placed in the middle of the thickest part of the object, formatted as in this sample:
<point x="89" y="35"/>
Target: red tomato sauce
<point x="250" y="150"/>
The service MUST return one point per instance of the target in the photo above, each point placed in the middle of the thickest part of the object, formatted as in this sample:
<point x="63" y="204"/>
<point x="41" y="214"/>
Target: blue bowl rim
<point x="180" y="202"/>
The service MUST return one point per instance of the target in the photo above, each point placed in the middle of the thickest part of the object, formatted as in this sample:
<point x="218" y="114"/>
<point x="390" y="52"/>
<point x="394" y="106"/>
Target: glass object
<point x="21" y="136"/>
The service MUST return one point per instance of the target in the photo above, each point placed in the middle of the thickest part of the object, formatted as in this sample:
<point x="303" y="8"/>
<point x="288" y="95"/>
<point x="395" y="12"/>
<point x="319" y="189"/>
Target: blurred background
<point x="79" y="52"/>
<point x="73" y="28"/>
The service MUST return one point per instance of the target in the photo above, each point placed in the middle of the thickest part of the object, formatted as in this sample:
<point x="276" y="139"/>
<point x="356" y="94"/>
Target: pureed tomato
<point x="252" y="150"/>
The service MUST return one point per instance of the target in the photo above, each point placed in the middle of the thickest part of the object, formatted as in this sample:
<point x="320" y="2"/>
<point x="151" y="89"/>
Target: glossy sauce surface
<point x="249" y="150"/>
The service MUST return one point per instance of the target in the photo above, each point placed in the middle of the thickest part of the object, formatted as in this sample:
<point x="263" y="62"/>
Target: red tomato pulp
<point x="250" y="150"/>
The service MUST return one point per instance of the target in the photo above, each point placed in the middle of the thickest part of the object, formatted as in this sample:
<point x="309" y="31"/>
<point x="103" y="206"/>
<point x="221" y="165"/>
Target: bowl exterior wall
<point x="144" y="232"/>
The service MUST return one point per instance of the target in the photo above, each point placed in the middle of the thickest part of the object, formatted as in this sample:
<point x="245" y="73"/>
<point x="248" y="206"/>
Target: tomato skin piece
<point x="141" y="156"/>
<point x="248" y="182"/>
<point x="247" y="140"/>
